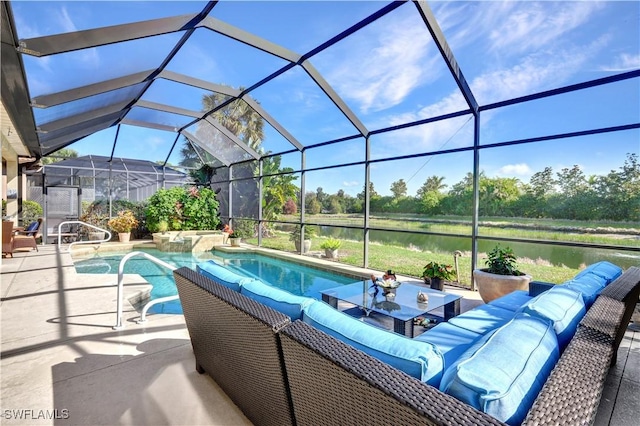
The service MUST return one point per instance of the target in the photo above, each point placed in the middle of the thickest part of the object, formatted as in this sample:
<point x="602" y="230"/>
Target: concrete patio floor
<point x="62" y="363"/>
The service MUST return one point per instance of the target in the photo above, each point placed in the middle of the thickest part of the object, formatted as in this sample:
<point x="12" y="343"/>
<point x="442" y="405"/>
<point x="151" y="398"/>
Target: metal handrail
<point x="119" y="325"/>
<point x="70" y="222"/>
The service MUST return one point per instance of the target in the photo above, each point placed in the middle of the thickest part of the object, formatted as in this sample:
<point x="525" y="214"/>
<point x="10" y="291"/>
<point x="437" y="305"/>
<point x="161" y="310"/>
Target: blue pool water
<point x="295" y="278"/>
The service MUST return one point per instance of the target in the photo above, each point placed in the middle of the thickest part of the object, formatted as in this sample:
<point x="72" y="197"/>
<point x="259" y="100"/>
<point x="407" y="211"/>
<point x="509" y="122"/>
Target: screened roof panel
<point x="160" y="117"/>
<point x="207" y="55"/>
<point x="176" y="94"/>
<point x="41" y="18"/>
<point x="369" y="66"/>
<point x="527" y="48"/>
<point x="64" y="71"/>
<point x="141" y="142"/>
<point x="205" y="157"/>
<point x="308" y="24"/>
<point x="70" y="109"/>
<point x="385" y="83"/>
<point x="299" y="104"/>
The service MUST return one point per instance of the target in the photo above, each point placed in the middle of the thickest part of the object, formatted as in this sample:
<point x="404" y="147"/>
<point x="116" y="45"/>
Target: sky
<point x="388" y="73"/>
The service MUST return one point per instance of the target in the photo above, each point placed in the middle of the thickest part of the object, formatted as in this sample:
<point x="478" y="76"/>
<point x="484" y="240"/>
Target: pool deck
<point x="60" y="352"/>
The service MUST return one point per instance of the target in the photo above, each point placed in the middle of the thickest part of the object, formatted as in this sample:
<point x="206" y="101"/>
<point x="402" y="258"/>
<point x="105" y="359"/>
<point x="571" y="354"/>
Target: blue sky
<point x="388" y="74"/>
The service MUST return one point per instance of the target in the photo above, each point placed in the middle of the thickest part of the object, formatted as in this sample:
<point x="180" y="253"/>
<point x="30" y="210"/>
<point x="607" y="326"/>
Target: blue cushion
<point x="222" y="275"/>
<point x="563" y="307"/>
<point x="421" y="360"/>
<point x="503" y="372"/>
<point x="276" y="298"/>
<point x="589" y="286"/>
<point x="483" y="319"/>
<point x="604" y="269"/>
<point x="450" y="340"/>
<point x="32" y="227"/>
<point x="512" y="301"/>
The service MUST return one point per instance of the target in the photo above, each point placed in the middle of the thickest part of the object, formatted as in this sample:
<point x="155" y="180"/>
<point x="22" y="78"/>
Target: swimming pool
<point x="295" y="278"/>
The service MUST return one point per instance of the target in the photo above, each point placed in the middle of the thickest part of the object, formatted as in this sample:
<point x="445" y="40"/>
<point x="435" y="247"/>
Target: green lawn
<point x="410" y="262"/>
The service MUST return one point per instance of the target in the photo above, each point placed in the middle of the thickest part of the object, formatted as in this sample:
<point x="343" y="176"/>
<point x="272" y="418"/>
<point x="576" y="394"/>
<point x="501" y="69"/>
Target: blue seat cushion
<point x="563" y="307"/>
<point x="32" y="227"/>
<point x="421" y="360"/>
<point x="512" y="301"/>
<point x="276" y="298"/>
<point x="452" y="341"/>
<point x="606" y="270"/>
<point x="589" y="286"/>
<point x="483" y="318"/>
<point x="222" y="275"/>
<point x="503" y="372"/>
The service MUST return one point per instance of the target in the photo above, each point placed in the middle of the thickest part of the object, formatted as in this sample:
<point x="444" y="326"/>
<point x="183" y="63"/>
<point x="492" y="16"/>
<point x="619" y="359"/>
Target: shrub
<point x="502" y="261"/>
<point x="124" y="222"/>
<point x="290" y="207"/>
<point x="31" y="211"/>
<point x="183" y="209"/>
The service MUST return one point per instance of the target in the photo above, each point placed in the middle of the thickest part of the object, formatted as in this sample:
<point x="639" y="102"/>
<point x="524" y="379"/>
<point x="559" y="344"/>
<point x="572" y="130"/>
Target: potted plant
<point x="309" y="232"/>
<point x="236" y="236"/>
<point x="501" y="275"/>
<point x="123" y="224"/>
<point x="435" y="273"/>
<point x="331" y="246"/>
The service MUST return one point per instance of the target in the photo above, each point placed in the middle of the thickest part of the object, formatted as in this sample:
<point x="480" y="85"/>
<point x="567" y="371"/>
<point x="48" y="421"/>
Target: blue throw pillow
<point x="218" y="273"/>
<point x="503" y="372"/>
<point x="512" y="301"/>
<point x="276" y="298"/>
<point x="32" y="227"/>
<point x="421" y="360"/>
<point x="563" y="307"/>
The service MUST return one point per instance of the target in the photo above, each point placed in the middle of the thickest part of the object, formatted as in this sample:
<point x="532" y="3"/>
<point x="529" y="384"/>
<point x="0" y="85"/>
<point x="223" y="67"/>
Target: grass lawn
<point x="409" y="262"/>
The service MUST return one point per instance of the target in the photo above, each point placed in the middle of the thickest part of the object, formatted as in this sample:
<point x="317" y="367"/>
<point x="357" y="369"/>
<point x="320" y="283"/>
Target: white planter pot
<point x="124" y="236"/>
<point x="492" y="286"/>
<point x="331" y="254"/>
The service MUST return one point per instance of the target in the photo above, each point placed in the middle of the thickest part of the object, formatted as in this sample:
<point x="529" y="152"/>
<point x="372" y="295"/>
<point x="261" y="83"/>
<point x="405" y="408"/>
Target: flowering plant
<point x="437" y="270"/>
<point x="124" y="222"/>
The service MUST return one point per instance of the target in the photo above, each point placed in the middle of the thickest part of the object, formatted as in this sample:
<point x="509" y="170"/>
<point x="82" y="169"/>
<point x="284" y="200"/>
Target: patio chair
<point x="7" y="238"/>
<point x="27" y="238"/>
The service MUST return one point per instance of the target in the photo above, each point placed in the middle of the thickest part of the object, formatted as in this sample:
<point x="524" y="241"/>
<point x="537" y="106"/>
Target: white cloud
<point x="378" y="67"/>
<point x="520" y="169"/>
<point x="624" y="62"/>
<point x="527" y="26"/>
<point x="350" y="183"/>
<point x="88" y="57"/>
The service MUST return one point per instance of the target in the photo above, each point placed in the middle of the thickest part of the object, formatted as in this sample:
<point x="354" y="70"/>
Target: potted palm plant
<point x="501" y="276"/>
<point x="435" y="274"/>
<point x="123" y="223"/>
<point x="330" y="247"/>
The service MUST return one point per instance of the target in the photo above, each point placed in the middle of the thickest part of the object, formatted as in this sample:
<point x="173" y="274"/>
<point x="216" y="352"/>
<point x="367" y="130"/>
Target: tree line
<point x="565" y="194"/>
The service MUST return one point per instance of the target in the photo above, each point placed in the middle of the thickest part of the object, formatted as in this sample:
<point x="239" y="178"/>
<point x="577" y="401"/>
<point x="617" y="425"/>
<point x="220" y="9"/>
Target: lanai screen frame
<point x="189" y="24"/>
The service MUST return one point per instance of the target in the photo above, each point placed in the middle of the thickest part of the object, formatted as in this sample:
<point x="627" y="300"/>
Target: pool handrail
<point x="119" y="325"/>
<point x="70" y="222"/>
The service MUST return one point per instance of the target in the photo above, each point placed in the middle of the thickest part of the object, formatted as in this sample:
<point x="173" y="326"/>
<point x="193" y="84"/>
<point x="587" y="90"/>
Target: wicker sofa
<point x="283" y="372"/>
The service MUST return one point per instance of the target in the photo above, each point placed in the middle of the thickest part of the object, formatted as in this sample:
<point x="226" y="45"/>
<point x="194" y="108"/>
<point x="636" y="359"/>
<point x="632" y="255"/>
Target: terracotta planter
<point x="124" y="237"/>
<point x="492" y="286"/>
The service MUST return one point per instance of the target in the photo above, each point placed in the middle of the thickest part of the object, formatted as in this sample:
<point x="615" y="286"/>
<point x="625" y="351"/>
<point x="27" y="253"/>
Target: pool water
<point x="295" y="278"/>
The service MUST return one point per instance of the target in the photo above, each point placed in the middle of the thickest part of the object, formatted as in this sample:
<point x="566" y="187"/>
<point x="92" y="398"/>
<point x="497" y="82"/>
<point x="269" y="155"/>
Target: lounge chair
<point x="21" y="238"/>
<point x="28" y="237"/>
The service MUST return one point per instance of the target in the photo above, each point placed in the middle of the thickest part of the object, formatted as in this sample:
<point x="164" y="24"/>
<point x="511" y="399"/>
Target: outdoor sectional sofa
<point x="286" y="359"/>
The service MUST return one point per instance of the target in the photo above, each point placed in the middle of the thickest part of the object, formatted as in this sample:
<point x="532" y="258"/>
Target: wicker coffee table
<point x="403" y="307"/>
